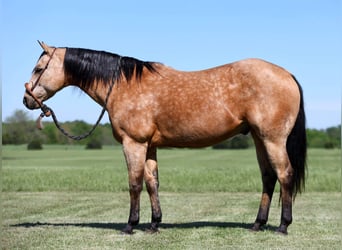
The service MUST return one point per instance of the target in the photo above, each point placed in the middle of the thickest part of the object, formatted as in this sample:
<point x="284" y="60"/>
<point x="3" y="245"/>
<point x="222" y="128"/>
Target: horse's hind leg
<point x="279" y="160"/>
<point x="285" y="174"/>
<point x="269" y="179"/>
<point x="152" y="185"/>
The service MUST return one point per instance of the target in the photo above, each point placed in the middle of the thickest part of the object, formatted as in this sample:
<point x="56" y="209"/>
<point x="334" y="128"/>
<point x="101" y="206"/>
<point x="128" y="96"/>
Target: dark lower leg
<point x="156" y="210"/>
<point x="286" y="211"/>
<point x="266" y="198"/>
<point x="286" y="186"/>
<point x="133" y="219"/>
<point x="262" y="215"/>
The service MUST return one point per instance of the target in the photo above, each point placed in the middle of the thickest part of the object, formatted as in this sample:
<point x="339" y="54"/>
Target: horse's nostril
<point x="25" y="101"/>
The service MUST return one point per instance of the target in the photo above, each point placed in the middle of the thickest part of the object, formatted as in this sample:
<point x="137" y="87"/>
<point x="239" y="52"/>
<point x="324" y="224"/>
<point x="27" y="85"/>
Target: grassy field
<point x="70" y="198"/>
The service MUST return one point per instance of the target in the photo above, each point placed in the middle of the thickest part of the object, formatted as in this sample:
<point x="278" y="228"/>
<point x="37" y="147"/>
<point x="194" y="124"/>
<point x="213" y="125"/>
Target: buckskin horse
<point x="151" y="105"/>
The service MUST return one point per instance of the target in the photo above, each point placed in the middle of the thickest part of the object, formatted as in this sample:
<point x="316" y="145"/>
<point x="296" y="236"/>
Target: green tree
<point x="334" y="134"/>
<point x="18" y="128"/>
<point x="237" y="142"/>
<point x="50" y="133"/>
<point x="324" y="138"/>
<point x="35" y="144"/>
<point x="94" y="143"/>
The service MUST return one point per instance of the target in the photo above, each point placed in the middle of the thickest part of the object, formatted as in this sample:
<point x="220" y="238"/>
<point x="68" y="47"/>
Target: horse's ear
<point x="45" y="47"/>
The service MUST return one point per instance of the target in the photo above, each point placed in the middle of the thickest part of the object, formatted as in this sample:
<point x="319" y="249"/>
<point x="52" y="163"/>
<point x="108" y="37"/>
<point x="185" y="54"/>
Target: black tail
<point x="296" y="147"/>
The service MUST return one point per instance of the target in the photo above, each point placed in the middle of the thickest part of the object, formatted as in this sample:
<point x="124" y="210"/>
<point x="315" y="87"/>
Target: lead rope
<point x="63" y="131"/>
<point x="47" y="111"/>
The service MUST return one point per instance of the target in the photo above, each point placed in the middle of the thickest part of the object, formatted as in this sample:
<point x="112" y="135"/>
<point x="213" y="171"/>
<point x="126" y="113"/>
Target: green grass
<point x="70" y="198"/>
<point x="74" y="169"/>
<point x="93" y="220"/>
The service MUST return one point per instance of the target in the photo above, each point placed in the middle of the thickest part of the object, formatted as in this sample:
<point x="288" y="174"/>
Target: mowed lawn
<point x="65" y="197"/>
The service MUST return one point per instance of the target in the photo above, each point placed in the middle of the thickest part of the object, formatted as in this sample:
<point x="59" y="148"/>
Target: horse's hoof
<point x="152" y="231"/>
<point x="282" y="230"/>
<point x="153" y="228"/>
<point x="128" y="230"/>
<point x="252" y="230"/>
<point x="256" y="227"/>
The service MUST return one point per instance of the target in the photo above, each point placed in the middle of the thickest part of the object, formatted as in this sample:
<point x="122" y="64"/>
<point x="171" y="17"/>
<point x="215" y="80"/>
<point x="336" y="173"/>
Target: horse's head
<point x="47" y="77"/>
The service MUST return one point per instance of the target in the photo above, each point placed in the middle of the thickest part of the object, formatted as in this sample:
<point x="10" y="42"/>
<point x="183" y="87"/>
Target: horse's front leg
<point x="135" y="154"/>
<point x="152" y="185"/>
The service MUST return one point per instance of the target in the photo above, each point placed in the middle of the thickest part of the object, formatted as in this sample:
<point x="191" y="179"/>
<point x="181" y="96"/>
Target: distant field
<point x="67" y="168"/>
<point x="66" y="197"/>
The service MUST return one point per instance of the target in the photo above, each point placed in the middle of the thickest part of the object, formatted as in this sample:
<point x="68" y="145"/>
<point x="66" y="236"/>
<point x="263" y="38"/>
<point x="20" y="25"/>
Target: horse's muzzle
<point x="30" y="103"/>
<point x="25" y="102"/>
<point x="30" y="100"/>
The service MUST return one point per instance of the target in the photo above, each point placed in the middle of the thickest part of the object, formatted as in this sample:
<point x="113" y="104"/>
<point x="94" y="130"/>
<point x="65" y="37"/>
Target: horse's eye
<point x="37" y="70"/>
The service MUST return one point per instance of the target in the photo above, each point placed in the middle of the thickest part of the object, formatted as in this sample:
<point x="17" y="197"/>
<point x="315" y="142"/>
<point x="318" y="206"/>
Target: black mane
<point x="83" y="66"/>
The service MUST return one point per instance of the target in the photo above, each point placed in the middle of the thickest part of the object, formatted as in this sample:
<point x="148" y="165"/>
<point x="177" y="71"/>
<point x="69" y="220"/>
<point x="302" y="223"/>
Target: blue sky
<point x="303" y="36"/>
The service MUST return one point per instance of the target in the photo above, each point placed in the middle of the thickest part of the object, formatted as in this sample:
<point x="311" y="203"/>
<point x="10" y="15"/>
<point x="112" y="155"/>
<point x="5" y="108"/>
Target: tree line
<point x="19" y="128"/>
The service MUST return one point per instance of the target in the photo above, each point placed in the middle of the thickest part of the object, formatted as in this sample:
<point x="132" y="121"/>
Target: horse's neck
<point x="98" y="92"/>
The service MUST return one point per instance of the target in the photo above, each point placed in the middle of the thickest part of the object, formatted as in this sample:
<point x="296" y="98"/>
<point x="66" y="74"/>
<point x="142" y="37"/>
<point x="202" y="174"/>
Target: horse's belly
<point x="205" y="130"/>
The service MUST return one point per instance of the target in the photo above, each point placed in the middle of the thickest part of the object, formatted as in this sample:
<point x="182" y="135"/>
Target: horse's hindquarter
<point x="269" y="95"/>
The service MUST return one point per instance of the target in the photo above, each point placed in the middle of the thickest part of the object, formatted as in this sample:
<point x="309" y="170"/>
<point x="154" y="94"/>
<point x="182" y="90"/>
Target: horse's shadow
<point x="144" y="226"/>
